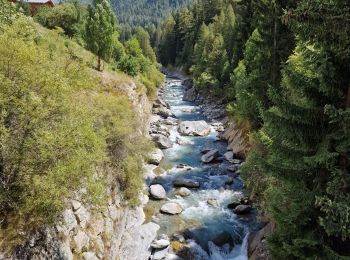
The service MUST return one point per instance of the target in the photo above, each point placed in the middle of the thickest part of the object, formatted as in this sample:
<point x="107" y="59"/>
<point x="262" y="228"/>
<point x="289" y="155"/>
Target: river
<point x="205" y="217"/>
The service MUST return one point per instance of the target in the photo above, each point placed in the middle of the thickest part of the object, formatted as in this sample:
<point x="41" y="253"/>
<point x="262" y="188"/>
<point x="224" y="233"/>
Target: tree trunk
<point x="98" y="62"/>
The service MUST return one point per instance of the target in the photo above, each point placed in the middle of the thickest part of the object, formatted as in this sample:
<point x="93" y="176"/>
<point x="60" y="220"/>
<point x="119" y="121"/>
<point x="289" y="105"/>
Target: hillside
<point x="144" y="12"/>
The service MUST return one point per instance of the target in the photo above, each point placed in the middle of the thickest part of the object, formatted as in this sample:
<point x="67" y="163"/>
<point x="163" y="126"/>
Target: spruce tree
<point x="100" y="30"/>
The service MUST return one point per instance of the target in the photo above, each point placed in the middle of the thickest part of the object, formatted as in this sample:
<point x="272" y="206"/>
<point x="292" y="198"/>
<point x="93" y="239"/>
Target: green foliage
<point x="69" y="16"/>
<point x="60" y="131"/>
<point x="100" y="30"/>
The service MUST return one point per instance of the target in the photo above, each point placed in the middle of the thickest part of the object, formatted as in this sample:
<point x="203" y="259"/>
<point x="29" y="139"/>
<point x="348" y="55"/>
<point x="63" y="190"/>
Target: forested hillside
<point x="144" y="12"/>
<point x="62" y="129"/>
<point x="283" y="67"/>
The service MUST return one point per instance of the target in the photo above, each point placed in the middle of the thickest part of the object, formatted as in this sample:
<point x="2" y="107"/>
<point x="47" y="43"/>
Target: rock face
<point x="190" y="95"/>
<point x="162" y="142"/>
<point x="171" y="208"/>
<point x="187" y="83"/>
<point x="186" y="183"/>
<point x="194" y="128"/>
<point x="210" y="156"/>
<point x="157" y="192"/>
<point x="155" y="157"/>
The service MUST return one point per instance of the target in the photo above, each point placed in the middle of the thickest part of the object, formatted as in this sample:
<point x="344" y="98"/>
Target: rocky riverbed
<point x="196" y="194"/>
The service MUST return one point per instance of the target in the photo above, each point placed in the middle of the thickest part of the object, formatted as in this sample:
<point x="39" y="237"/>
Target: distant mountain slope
<point x="144" y="12"/>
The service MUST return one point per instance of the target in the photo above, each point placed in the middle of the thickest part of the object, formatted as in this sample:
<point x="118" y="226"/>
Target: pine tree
<point x="100" y="30"/>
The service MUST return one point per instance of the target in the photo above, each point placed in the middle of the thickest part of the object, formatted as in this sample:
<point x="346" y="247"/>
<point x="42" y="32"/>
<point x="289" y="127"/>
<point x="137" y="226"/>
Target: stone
<point x="171" y="208"/>
<point x="178" y="237"/>
<point x="183" y="191"/>
<point x="205" y="150"/>
<point x="160" y="254"/>
<point x="162" y="141"/>
<point x="236" y="161"/>
<point x="213" y="202"/>
<point x="160" y="244"/>
<point x="83" y="216"/>
<point x="187" y="83"/>
<point x="113" y="212"/>
<point x="242" y="209"/>
<point x="190" y="95"/>
<point x="81" y="240"/>
<point x="194" y="128"/>
<point x="90" y="256"/>
<point x="228" y="155"/>
<point x="229" y="181"/>
<point x="162" y="111"/>
<point x="76" y="205"/>
<point x="155" y="157"/>
<point x="181" y="182"/>
<point x="157" y="192"/>
<point x="222" y="239"/>
<point x="233" y="168"/>
<point x="210" y="156"/>
<point x="69" y="220"/>
<point x="135" y="243"/>
<point x="181" y="141"/>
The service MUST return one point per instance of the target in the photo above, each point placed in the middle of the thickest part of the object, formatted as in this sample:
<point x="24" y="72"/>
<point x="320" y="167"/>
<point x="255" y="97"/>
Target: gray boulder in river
<point x="157" y="192"/>
<point x="194" y="128"/>
<point x="171" y="208"/>
<point x="210" y="156"/>
<point x="186" y="183"/>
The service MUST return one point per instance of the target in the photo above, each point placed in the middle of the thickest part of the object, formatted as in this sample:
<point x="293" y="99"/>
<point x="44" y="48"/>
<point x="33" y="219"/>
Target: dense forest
<point x="145" y="12"/>
<point x="283" y="68"/>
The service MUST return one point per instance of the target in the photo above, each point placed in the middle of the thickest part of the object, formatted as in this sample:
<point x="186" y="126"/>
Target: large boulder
<point x="210" y="156"/>
<point x="162" y="141"/>
<point x="190" y="95"/>
<point x="183" y="192"/>
<point x="187" y="83"/>
<point x="222" y="239"/>
<point x="157" y="192"/>
<point x="194" y="128"/>
<point x="182" y="182"/>
<point x="171" y="208"/>
<point x="155" y="157"/>
<point x="242" y="209"/>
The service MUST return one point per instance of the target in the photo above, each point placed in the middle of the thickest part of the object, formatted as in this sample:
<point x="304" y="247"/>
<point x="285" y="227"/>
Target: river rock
<point x="228" y="156"/>
<point x="186" y="183"/>
<point x="157" y="192"/>
<point x="162" y="142"/>
<point x="190" y="95"/>
<point x="187" y="83"/>
<point x="213" y="202"/>
<point x="242" y="209"/>
<point x="183" y="191"/>
<point x="155" y="157"/>
<point x="233" y="168"/>
<point x="160" y="244"/>
<point x="160" y="254"/>
<point x="194" y="128"/>
<point x="223" y="238"/>
<point x="210" y="156"/>
<point x="162" y="111"/>
<point x="171" y="208"/>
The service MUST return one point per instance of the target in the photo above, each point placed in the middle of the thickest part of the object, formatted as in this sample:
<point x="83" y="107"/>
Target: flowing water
<point x="200" y="221"/>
